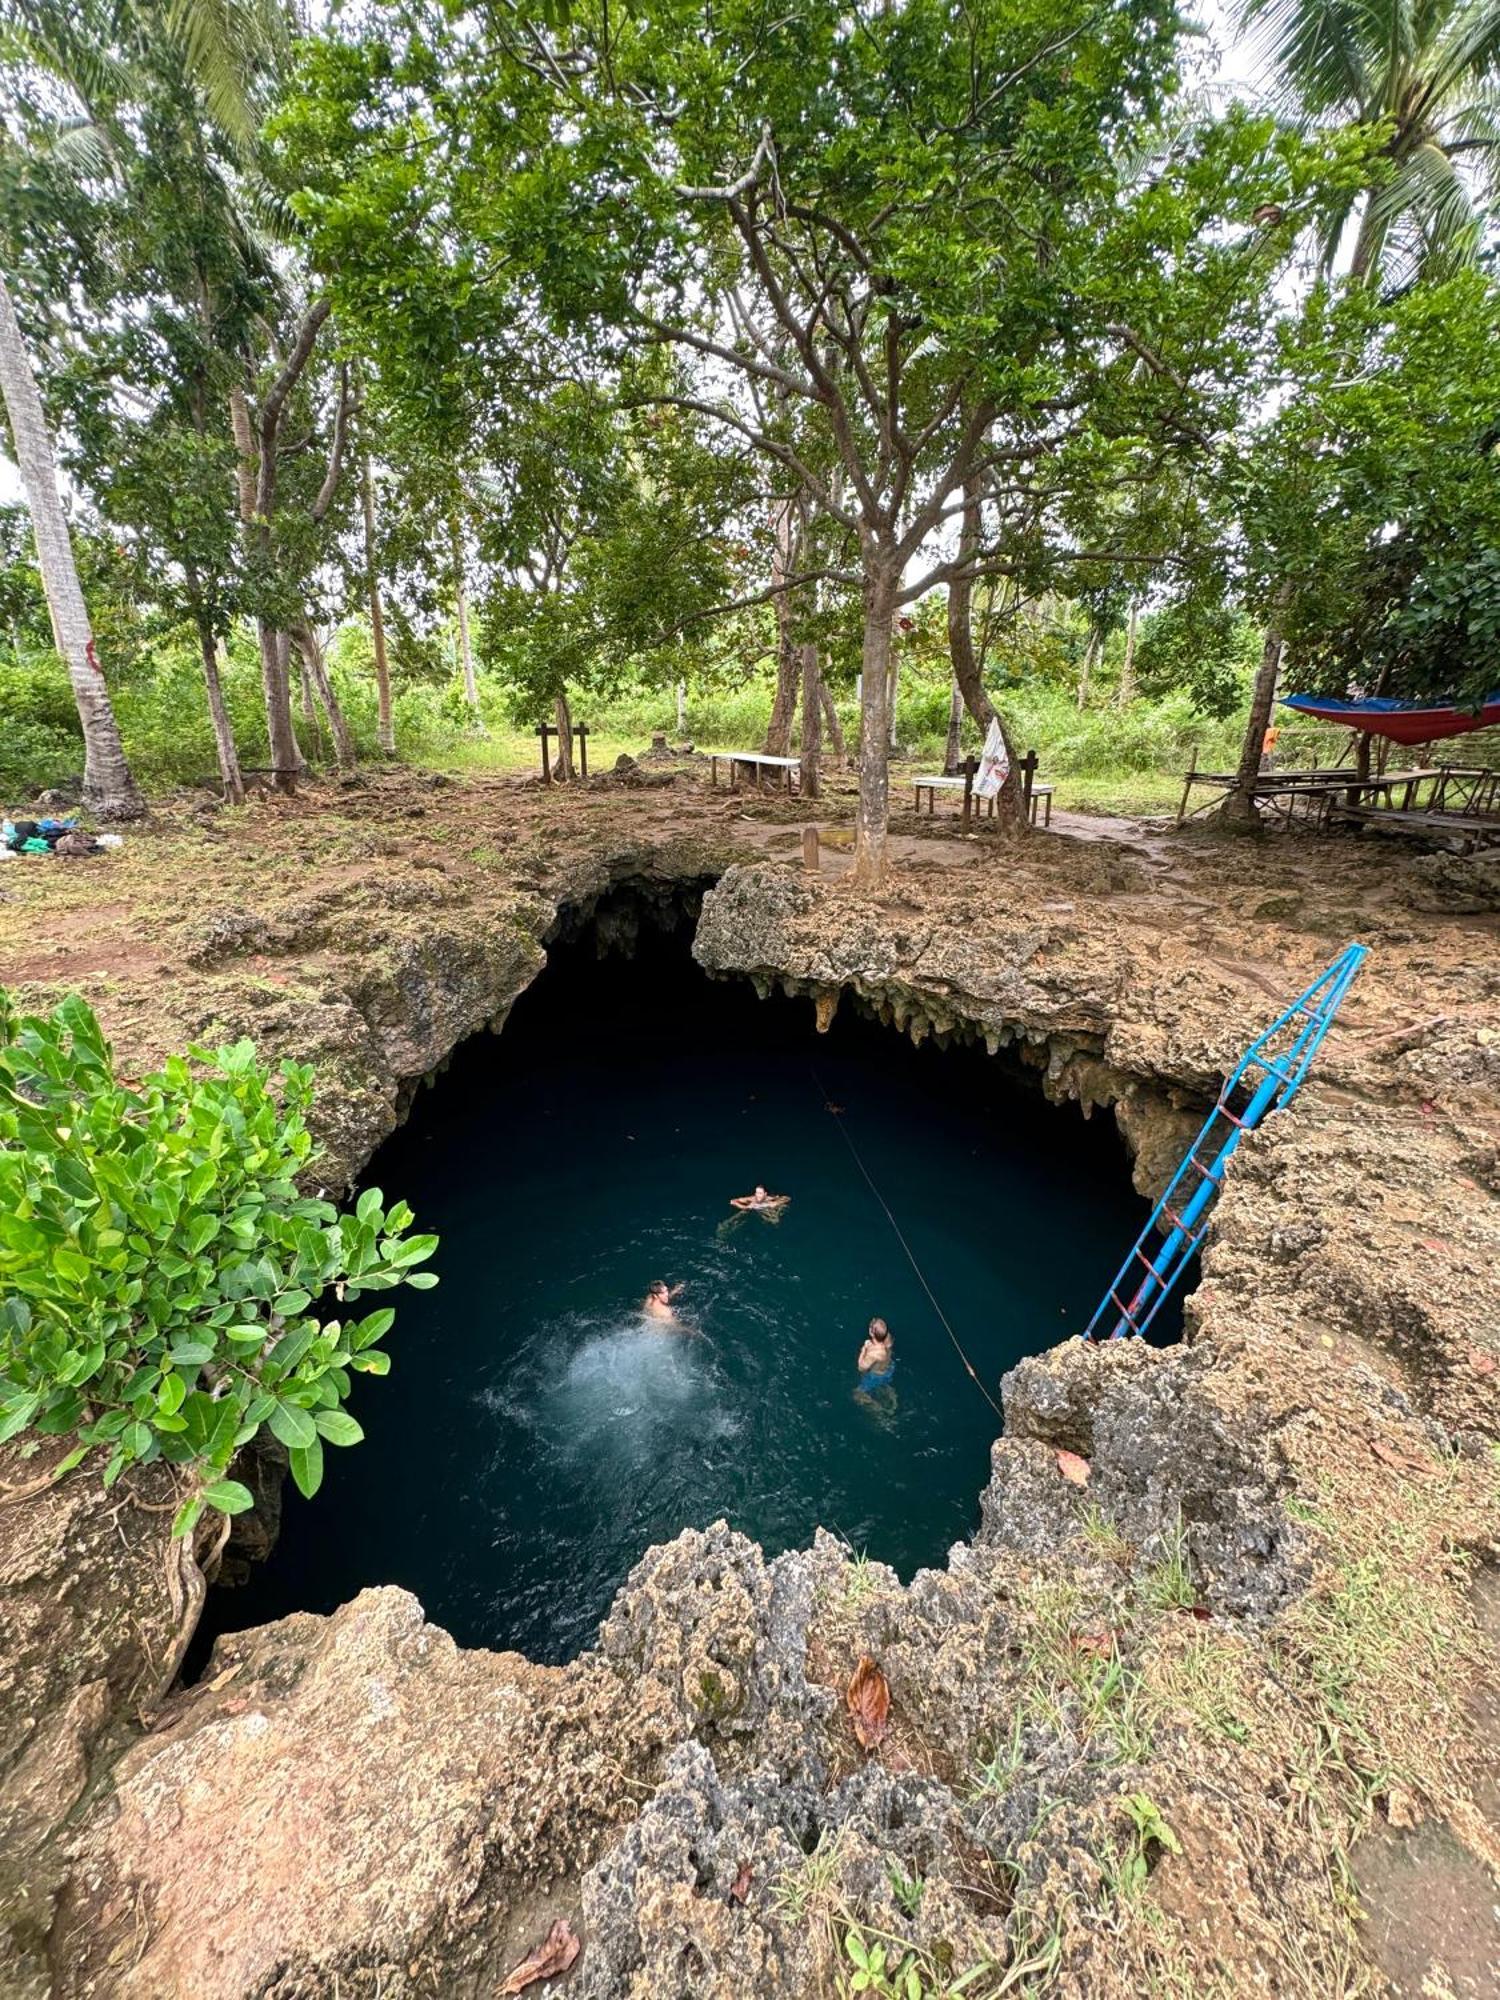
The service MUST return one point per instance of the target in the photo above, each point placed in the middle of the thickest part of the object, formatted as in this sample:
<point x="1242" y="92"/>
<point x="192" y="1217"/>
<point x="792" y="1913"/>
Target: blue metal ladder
<point x="1280" y="1058"/>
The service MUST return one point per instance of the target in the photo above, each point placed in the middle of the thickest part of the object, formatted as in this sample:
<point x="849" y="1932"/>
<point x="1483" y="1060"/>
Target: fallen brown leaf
<point x="1097" y="1645"/>
<point x="554" y="1954"/>
<point x="1073" y="1468"/>
<point x="739" y="1888"/>
<point x="1482" y="1363"/>
<point x="869" y="1700"/>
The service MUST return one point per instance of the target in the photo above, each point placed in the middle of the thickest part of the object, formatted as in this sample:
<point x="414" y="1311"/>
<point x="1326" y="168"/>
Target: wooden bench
<point x="1462" y="833"/>
<point x="932" y="786"/>
<point x="734" y="759"/>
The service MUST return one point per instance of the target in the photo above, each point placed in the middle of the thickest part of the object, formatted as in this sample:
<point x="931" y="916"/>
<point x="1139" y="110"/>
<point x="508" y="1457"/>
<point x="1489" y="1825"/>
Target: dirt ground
<point x="1326" y="1690"/>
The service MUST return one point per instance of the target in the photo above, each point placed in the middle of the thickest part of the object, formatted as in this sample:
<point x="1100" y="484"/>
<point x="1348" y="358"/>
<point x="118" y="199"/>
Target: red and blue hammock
<point x="1399" y="721"/>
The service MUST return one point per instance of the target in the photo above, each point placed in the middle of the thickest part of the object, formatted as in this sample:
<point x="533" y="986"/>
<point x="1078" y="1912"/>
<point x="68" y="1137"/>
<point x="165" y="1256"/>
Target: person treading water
<point x="877" y="1358"/>
<point x="759" y="1203"/>
<point x="657" y="1304"/>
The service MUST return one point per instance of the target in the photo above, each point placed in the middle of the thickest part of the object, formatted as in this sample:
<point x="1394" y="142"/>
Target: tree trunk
<point x="465" y="650"/>
<point x="1368" y="244"/>
<point x="317" y="667"/>
<point x="812" y="721"/>
<point x="229" y="761"/>
<point x="955" y="729"/>
<point x="563" y="768"/>
<point x="109" y="789"/>
<point x="788" y="663"/>
<point x="275" y="681"/>
<point x="681" y="710"/>
<point x="284" y="663"/>
<point x="1127" y="671"/>
<point x="1238" y="808"/>
<point x="967" y="680"/>
<point x="1088" y="671"/>
<point x="387" y="724"/>
<point x="1362" y="747"/>
<point x="788" y="672"/>
<point x="872" y="817"/>
<point x="309" y="707"/>
<point x="831" y="722"/>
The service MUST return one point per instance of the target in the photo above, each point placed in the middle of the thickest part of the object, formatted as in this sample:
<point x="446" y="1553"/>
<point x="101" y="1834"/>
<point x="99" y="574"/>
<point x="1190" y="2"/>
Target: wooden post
<point x="547" y="729"/>
<point x="970" y="768"/>
<point x="810" y="858"/>
<point x="1028" y="773"/>
<point x="581" y="737"/>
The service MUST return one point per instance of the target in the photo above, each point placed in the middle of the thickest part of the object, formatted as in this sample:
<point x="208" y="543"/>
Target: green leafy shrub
<point x="160" y="1273"/>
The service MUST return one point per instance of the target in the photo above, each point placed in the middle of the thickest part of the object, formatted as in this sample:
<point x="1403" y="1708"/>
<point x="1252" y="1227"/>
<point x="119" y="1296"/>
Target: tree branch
<point x="330" y="484"/>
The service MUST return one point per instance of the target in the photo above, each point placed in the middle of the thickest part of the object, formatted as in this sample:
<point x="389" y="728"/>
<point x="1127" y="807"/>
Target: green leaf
<point x="229" y="1496"/>
<point x="372" y="1363"/>
<point x="137" y="1440"/>
<point x="294" y="1427"/>
<point x="338" y="1427"/>
<point x="70" y="1263"/>
<point x="421" y="1281"/>
<point x="307" y="1467"/>
<point x="369" y="1204"/>
<point x="367" y="1331"/>
<point x="15" y="1416"/>
<point x="186" y="1517"/>
<point x="170" y="1395"/>
<point x="201" y="1231"/>
<point x="190" y="1353"/>
<point x="291" y="1303"/>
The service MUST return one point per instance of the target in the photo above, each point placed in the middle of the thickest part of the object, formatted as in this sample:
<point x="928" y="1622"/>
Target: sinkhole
<point x="538" y="1433"/>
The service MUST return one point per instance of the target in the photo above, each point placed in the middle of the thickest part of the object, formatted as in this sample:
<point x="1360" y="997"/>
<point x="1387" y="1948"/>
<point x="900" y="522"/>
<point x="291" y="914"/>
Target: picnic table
<point x="1313" y="793"/>
<point x="734" y="759"/>
<point x="1034" y="794"/>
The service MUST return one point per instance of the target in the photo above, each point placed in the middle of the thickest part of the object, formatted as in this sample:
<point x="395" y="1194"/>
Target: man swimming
<point x="760" y="1203"/>
<point x="877" y="1358"/>
<point x="657" y="1304"/>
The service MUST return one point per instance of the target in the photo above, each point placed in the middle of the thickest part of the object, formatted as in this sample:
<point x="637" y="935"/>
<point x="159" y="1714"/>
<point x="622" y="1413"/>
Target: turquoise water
<point x="537" y="1433"/>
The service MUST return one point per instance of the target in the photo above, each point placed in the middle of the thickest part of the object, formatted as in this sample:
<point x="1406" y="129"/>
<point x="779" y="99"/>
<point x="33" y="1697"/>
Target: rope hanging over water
<point x="854" y="1154"/>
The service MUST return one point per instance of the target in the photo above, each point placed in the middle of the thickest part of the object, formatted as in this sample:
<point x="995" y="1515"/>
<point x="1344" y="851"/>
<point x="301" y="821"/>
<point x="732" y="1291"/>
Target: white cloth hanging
<point x="994" y="763"/>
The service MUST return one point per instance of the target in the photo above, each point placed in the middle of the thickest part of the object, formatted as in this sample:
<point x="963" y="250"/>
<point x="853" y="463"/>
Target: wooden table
<point x="734" y="758"/>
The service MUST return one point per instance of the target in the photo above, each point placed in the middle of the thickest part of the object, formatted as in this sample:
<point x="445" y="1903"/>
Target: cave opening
<point x="538" y="1433"/>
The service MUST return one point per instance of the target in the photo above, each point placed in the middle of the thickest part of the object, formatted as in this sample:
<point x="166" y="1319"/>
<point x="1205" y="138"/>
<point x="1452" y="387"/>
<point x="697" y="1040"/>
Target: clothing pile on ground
<point x="51" y="836"/>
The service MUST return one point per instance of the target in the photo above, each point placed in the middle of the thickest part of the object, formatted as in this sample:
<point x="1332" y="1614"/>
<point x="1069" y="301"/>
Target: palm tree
<point x="84" y="50"/>
<point x="1428" y="71"/>
<point x="108" y="787"/>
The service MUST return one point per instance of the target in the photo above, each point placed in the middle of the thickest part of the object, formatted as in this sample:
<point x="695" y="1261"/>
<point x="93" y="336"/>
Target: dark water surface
<point x="536" y="1434"/>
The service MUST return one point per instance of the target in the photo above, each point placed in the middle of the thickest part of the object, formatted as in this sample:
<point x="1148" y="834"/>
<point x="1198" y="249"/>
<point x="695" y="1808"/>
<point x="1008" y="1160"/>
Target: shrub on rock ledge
<point x="160" y="1272"/>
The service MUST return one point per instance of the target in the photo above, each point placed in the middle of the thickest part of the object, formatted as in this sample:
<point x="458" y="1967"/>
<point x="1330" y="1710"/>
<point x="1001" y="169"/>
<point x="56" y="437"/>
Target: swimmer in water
<point x="877" y="1358"/>
<point x="760" y="1203"/>
<point x="657" y="1303"/>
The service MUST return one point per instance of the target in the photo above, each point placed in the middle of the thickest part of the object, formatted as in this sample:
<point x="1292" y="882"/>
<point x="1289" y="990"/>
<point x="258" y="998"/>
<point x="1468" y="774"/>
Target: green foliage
<point x="1374" y="494"/>
<point x="1418" y="83"/>
<point x="161" y="1277"/>
<point x="1126" y="1870"/>
<point x="1208" y="650"/>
